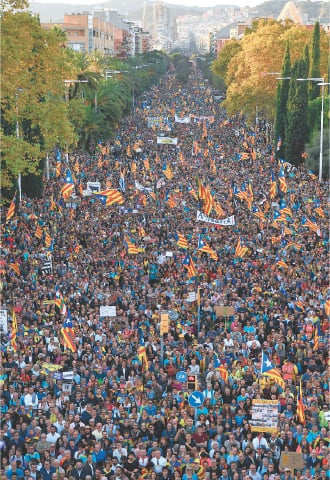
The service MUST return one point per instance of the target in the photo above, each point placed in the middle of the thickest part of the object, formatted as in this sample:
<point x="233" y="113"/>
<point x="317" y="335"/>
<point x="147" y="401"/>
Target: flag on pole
<point x="282" y="181"/>
<point x="316" y="336"/>
<point x="13" y="336"/>
<point x="67" y="331"/>
<point x="268" y="369"/>
<point x="58" y="158"/>
<point x="300" y="406"/>
<point x="68" y="186"/>
<point x="11" y="209"/>
<point x="273" y="186"/>
<point x="189" y="265"/>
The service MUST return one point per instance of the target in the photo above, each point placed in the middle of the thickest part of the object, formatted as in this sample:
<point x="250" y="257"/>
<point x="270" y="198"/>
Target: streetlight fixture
<point x="320" y="81"/>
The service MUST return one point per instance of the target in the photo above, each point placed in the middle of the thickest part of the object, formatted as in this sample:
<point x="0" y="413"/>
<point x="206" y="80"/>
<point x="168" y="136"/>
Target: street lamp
<point x="320" y="81"/>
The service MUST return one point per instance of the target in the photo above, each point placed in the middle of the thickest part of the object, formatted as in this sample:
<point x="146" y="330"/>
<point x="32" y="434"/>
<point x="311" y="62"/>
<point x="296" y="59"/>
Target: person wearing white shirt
<point x="119" y="452"/>
<point x="31" y="399"/>
<point x="260" y="442"/>
<point x="52" y="436"/>
<point x="194" y="367"/>
<point x="158" y="461"/>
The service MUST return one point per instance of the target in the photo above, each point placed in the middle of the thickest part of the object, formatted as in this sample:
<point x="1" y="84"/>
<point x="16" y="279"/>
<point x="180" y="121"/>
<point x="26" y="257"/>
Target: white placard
<point x="3" y="320"/>
<point x="108" y="311"/>
<point x="169" y="254"/>
<point x="191" y="297"/>
<point x="94" y="186"/>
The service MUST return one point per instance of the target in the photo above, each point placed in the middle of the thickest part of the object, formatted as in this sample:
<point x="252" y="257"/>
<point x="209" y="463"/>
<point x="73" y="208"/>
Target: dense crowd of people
<point x="110" y="405"/>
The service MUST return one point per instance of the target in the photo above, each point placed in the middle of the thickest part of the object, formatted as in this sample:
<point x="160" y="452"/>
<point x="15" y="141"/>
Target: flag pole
<point x="198" y="310"/>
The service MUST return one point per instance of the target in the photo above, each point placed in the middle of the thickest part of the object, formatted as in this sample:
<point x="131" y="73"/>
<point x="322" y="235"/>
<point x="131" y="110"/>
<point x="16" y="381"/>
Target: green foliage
<point x="315" y="71"/>
<point x="313" y="155"/>
<point x="297" y="130"/>
<point x="281" y="103"/>
<point x="220" y="65"/>
<point x="182" y="67"/>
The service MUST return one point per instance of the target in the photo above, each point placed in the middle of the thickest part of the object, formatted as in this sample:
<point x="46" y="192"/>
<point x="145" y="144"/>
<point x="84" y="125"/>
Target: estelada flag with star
<point x="268" y="369"/>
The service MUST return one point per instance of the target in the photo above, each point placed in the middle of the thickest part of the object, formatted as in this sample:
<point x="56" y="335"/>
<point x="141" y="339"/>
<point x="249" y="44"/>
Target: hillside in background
<point x="132" y="9"/>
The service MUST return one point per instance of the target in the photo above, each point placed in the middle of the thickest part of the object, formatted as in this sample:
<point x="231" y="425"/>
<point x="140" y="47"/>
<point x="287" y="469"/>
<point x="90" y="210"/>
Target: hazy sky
<point x="198" y="3"/>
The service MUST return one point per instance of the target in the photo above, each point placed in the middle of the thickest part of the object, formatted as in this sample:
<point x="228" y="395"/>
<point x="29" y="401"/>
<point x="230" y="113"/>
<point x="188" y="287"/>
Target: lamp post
<point x="320" y="81"/>
<point x="19" y="177"/>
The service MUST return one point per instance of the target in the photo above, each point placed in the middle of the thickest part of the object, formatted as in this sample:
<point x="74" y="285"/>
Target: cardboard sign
<point x="224" y="310"/>
<point x="292" y="460"/>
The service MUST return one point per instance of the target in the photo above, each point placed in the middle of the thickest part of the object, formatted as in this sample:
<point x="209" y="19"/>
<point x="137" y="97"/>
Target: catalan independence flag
<point x="282" y="181"/>
<point x="11" y="209"/>
<point x="167" y="171"/>
<point x="282" y="264"/>
<point x="204" y="247"/>
<point x="38" y="232"/>
<point x="268" y="369"/>
<point x="13" y="336"/>
<point x="110" y="196"/>
<point x="258" y="213"/>
<point x="132" y="249"/>
<point x="240" y="251"/>
<point x="171" y="202"/>
<point x="58" y="158"/>
<point x="300" y="406"/>
<point x="68" y="186"/>
<point x="67" y="331"/>
<point x="273" y="186"/>
<point x="189" y="265"/>
<point x="15" y="267"/>
<point x="181" y="240"/>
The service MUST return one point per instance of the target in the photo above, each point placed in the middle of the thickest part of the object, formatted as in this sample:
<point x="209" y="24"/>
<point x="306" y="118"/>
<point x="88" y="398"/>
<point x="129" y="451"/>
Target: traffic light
<point x="164" y="323"/>
<point x="192" y="382"/>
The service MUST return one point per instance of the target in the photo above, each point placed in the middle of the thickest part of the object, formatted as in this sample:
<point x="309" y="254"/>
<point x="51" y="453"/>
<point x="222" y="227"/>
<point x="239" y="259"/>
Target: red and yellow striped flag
<point x="11" y="209"/>
<point x="300" y="405"/>
<point x="13" y="337"/>
<point x="15" y="267"/>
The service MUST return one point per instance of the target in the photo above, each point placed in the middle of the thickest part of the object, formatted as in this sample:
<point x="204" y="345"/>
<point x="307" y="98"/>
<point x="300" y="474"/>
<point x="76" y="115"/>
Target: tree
<point x="262" y="51"/>
<point x="281" y="104"/>
<point x="297" y="129"/>
<point x="34" y="114"/>
<point x="314" y="71"/>
<point x="313" y="155"/>
<point x="228" y="52"/>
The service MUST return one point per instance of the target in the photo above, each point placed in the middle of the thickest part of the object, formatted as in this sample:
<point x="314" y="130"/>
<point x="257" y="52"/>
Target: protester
<point x="100" y="398"/>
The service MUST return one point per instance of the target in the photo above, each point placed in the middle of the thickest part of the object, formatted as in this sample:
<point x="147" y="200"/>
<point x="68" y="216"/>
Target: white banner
<point x="167" y="141"/>
<point x="142" y="188"/>
<point x="3" y="321"/>
<point x="108" y="311"/>
<point x="201" y="217"/>
<point x="182" y="119"/>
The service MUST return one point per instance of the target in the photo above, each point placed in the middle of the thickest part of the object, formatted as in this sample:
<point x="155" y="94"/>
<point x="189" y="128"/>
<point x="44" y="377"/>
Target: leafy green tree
<point x="297" y="105"/>
<point x="281" y="104"/>
<point x="34" y="114"/>
<point x="315" y="71"/>
<point x="313" y="155"/>
<point x="228" y="52"/>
